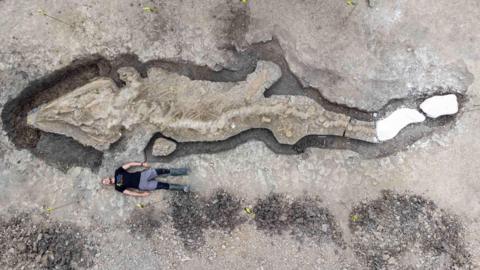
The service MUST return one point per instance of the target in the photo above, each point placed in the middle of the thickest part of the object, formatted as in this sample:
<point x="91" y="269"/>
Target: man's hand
<point x="136" y="194"/>
<point x="134" y="164"/>
<point x="144" y="193"/>
<point x="145" y="165"/>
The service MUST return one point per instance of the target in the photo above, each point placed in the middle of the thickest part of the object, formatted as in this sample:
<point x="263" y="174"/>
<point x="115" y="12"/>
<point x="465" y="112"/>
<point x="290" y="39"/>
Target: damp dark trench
<point x="64" y="152"/>
<point x="407" y="136"/>
<point x="60" y="151"/>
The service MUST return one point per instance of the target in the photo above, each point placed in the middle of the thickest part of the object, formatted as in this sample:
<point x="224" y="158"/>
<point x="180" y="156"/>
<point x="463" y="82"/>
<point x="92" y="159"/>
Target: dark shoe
<point x="178" y="171"/>
<point x="184" y="188"/>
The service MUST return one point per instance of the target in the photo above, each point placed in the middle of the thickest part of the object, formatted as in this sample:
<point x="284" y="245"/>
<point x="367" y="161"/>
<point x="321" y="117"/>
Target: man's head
<point x="108" y="181"/>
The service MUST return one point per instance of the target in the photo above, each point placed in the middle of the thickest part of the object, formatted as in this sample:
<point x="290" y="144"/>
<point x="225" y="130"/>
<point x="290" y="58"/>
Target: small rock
<point x="186" y="259"/>
<point x="44" y="260"/>
<point x="163" y="147"/>
<point x="21" y="247"/>
<point x="392" y="261"/>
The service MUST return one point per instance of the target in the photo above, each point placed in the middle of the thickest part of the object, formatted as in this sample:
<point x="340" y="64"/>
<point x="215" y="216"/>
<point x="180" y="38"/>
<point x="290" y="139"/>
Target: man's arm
<point x="134" y="164"/>
<point x="135" y="193"/>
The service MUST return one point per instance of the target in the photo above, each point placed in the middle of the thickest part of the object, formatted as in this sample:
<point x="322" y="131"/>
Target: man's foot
<point x="178" y="171"/>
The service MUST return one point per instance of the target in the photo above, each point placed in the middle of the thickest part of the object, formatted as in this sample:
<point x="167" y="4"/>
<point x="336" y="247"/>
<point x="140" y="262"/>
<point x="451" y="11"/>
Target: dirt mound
<point x="146" y="221"/>
<point x="303" y="217"/>
<point x="193" y="214"/>
<point x="25" y="244"/>
<point x="222" y="210"/>
<point x="188" y="219"/>
<point x="401" y="231"/>
<point x="271" y="214"/>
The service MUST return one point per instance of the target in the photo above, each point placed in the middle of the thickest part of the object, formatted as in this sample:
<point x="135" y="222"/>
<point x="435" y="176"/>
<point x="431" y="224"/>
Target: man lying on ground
<point x="144" y="181"/>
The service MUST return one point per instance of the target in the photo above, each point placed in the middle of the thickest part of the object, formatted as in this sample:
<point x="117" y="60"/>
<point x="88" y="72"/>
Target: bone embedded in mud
<point x="361" y="130"/>
<point x="90" y="114"/>
<point x="390" y="126"/>
<point x="437" y="106"/>
<point x="163" y="147"/>
<point x="186" y="110"/>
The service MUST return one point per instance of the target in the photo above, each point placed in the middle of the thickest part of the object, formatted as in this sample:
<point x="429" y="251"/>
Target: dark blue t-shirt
<point x="124" y="179"/>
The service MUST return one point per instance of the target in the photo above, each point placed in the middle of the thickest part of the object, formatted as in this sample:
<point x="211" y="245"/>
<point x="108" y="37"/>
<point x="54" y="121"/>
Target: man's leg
<point x="148" y="175"/>
<point x="161" y="185"/>
<point x="178" y="171"/>
<point x="162" y="171"/>
<point x="147" y="179"/>
<point x="184" y="188"/>
<point x="172" y="171"/>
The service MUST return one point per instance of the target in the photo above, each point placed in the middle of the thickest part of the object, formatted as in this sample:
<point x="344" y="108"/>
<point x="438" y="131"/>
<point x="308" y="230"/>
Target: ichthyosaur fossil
<point x="97" y="113"/>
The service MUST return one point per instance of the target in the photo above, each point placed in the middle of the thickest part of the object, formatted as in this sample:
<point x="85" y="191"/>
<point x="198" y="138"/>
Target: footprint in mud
<point x="303" y="218"/>
<point x="402" y="231"/>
